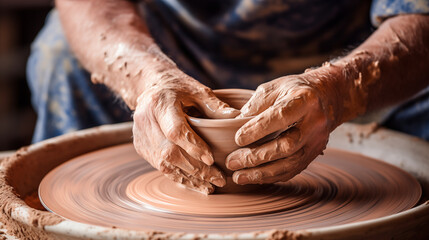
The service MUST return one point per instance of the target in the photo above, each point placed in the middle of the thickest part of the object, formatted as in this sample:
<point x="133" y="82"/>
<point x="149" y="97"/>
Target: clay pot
<point x="219" y="133"/>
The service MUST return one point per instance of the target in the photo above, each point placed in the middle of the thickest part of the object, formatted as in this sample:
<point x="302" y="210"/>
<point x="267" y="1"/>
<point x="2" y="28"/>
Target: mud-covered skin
<point x="387" y="68"/>
<point x="112" y="42"/>
<point x="124" y="57"/>
<point x="163" y="136"/>
<point x="291" y="103"/>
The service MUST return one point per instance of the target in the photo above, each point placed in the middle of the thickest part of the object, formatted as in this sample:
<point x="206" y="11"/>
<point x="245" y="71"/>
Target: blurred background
<point x="20" y="21"/>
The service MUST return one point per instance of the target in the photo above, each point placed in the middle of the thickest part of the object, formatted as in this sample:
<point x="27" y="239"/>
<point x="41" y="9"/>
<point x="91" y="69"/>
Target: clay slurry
<point x="115" y="187"/>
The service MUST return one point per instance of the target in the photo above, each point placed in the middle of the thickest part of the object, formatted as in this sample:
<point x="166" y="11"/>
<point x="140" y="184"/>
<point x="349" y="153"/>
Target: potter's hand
<point x="299" y="107"/>
<point x="164" y="138"/>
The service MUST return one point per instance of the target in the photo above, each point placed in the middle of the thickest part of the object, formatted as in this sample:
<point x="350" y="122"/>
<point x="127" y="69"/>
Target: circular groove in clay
<point x="115" y="187"/>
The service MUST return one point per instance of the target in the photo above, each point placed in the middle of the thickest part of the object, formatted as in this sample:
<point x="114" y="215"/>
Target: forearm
<point x="112" y="42"/>
<point x="388" y="67"/>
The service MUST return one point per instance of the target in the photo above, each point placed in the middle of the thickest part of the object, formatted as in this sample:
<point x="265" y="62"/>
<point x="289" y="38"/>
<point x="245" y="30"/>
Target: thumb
<point x="213" y="107"/>
<point x="259" y="102"/>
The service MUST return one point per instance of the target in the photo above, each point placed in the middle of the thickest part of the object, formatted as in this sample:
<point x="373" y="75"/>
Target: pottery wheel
<point x="114" y="187"/>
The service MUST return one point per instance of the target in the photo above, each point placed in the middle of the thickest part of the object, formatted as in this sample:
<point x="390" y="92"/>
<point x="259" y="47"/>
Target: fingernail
<point x="238" y="134"/>
<point x="220" y="182"/>
<point x="242" y="179"/>
<point x="240" y="138"/>
<point x="207" y="159"/>
<point x="234" y="165"/>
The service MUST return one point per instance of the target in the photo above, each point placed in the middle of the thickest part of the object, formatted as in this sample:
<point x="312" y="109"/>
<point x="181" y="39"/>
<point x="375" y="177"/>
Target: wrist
<point x="348" y="81"/>
<point x="338" y="97"/>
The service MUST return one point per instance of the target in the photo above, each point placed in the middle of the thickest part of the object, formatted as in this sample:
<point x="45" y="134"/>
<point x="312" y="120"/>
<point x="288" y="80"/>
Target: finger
<point x="151" y="143"/>
<point x="213" y="107"/>
<point x="200" y="170"/>
<point x="173" y="155"/>
<point x="283" y="146"/>
<point x="280" y="170"/>
<point x="277" y="117"/>
<point x="148" y="138"/>
<point x="189" y="181"/>
<point x="173" y="124"/>
<point x="259" y="102"/>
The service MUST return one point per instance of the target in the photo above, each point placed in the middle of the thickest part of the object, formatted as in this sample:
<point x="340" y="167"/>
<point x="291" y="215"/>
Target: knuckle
<point x="146" y="103"/>
<point x="168" y="154"/>
<point x="250" y="161"/>
<point x="289" y="140"/>
<point x="295" y="102"/>
<point x="286" y="145"/>
<point x="309" y="94"/>
<point x="258" y="176"/>
<point x="175" y="131"/>
<point x="284" y="109"/>
<point x="153" y="100"/>
<point x="155" y="97"/>
<point x="151" y="97"/>
<point x="263" y="89"/>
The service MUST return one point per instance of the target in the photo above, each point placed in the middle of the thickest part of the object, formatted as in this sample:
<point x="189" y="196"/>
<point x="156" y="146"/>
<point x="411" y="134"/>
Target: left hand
<point x="300" y="107"/>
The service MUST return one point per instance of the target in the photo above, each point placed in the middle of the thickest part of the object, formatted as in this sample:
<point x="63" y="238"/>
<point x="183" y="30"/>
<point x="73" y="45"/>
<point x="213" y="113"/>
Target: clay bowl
<point x="219" y="133"/>
<point x="20" y="176"/>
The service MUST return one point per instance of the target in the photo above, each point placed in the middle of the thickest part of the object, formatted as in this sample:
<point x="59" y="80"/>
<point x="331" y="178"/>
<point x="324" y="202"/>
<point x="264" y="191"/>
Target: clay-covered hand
<point x="300" y="108"/>
<point x="164" y="138"/>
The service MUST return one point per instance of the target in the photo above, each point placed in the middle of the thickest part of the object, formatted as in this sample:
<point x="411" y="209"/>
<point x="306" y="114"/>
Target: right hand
<point x="164" y="138"/>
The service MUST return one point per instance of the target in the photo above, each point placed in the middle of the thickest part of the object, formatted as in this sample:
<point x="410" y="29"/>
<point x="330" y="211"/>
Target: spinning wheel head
<point x="115" y="187"/>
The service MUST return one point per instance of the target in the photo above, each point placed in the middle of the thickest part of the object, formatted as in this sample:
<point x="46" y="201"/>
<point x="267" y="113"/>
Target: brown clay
<point x="115" y="187"/>
<point x="219" y="133"/>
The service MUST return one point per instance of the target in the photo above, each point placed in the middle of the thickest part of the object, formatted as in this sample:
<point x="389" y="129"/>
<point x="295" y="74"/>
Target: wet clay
<point x="32" y="201"/>
<point x="37" y="219"/>
<point x="219" y="134"/>
<point x="115" y="187"/>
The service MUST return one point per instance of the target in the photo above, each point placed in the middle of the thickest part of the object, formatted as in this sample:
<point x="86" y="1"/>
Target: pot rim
<point x="215" y="123"/>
